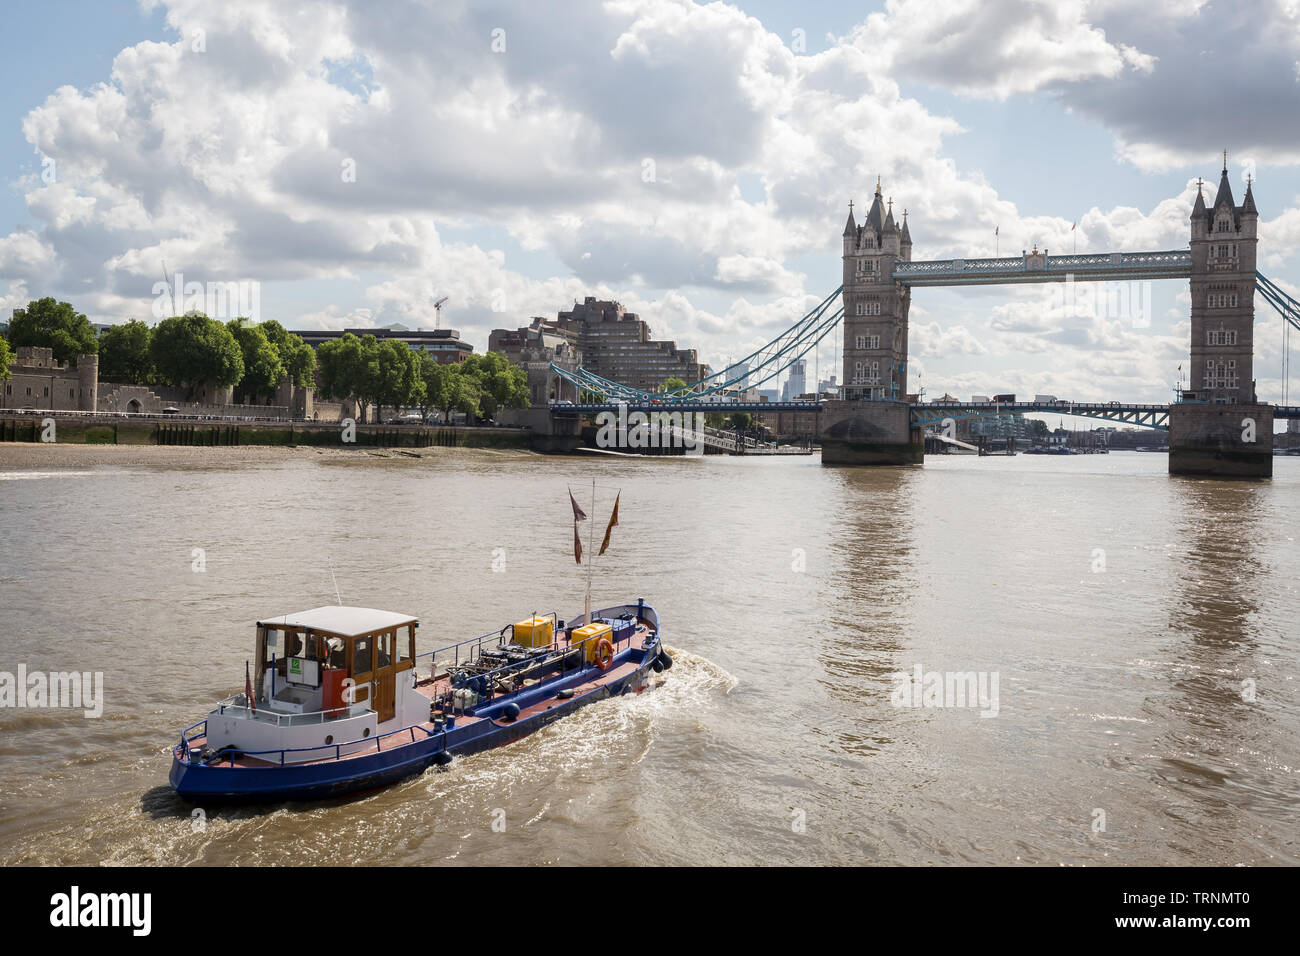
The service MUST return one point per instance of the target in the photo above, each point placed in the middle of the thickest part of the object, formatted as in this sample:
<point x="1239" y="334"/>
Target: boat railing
<point x="473" y="647"/>
<point x="239" y="703"/>
<point x="559" y="652"/>
<point x="229" y="754"/>
<point x="468" y="651"/>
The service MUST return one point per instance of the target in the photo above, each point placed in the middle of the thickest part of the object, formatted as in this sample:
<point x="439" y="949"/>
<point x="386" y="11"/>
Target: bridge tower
<point x="1223" y="243"/>
<point x="1218" y="427"/>
<point x="875" y="308"/>
<point x="871" y="425"/>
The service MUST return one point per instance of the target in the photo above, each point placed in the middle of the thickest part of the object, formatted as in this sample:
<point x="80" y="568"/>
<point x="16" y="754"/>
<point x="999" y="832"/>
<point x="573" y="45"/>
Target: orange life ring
<point x="603" y="658"/>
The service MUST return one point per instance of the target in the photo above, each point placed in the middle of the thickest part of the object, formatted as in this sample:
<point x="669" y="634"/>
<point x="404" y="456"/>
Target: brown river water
<point x="1142" y="632"/>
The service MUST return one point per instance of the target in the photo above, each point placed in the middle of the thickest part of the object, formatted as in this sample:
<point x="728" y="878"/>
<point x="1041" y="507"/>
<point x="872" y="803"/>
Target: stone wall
<point x="37" y="381"/>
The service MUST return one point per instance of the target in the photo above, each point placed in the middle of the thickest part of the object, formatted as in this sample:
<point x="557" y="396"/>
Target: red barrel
<point x="332" y="699"/>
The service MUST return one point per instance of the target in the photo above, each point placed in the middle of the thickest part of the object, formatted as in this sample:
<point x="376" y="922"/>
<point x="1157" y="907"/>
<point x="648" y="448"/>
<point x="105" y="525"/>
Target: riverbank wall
<point x="109" y="431"/>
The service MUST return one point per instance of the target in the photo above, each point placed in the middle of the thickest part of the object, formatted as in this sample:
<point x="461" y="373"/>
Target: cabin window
<point x="337" y="652"/>
<point x="274" y="646"/>
<point x="385" y="645"/>
<point x="406" y="645"/>
<point x="363" y="661"/>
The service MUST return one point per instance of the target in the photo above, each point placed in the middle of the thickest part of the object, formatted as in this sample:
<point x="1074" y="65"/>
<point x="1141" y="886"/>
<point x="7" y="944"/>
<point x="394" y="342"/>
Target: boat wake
<point x="557" y="777"/>
<point x="34" y="475"/>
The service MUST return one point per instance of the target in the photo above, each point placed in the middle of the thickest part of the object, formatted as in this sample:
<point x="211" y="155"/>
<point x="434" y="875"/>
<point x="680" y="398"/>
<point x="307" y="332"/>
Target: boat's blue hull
<point x="222" y="783"/>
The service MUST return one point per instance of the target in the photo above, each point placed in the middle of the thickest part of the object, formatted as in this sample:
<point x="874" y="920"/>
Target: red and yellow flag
<point x="613" y="520"/>
<point x="578" y="515"/>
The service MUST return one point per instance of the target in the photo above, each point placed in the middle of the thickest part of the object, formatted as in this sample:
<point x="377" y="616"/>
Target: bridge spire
<point x="850" y="227"/>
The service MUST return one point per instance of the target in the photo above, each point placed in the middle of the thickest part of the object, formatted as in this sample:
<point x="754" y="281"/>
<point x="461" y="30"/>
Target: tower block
<point x="1218" y="427"/>
<point x="872" y="424"/>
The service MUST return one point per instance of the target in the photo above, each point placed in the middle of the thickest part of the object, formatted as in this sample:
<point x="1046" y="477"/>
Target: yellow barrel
<point x="534" y="632"/>
<point x="589" y="636"/>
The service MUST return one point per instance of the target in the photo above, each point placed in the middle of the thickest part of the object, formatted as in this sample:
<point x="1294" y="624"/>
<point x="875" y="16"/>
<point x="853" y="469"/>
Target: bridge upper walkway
<point x="1094" y="267"/>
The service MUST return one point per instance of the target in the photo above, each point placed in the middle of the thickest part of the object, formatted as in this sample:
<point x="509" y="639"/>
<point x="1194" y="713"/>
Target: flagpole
<point x="591" y="556"/>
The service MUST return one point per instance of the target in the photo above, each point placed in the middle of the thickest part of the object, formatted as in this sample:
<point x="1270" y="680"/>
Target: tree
<point x="46" y="323"/>
<point x="6" y="359"/>
<point x="673" y="383"/>
<point x="500" y="384"/>
<point x="371" y="372"/>
<point x="741" y="420"/>
<point x="298" y="357"/>
<point x="341" y="369"/>
<point x="190" y="349"/>
<point x="450" y="388"/>
<point x="124" y="356"/>
<point x="463" y="394"/>
<point x="397" y="382"/>
<point x="437" y="379"/>
<point x="263" y="370"/>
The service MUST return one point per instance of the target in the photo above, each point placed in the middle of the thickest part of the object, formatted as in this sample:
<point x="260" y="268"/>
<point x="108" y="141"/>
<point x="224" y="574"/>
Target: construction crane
<point x="437" y="306"/>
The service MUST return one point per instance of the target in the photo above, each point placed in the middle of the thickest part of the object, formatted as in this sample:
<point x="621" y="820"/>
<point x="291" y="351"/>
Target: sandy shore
<point x="24" y="455"/>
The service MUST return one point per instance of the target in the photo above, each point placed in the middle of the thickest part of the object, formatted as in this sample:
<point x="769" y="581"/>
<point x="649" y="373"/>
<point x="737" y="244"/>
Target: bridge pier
<point x="549" y="433"/>
<point x="870" y="433"/>
<point x="1221" y="441"/>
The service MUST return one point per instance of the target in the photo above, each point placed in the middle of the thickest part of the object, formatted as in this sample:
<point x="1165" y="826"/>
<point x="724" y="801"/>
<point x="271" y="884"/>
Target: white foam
<point x="33" y="475"/>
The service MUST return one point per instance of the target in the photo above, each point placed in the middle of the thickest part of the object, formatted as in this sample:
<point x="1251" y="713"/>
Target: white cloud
<point x="994" y="49"/>
<point x="929" y="340"/>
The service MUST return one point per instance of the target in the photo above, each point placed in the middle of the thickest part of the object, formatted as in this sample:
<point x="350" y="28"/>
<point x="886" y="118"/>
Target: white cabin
<point x="321" y="678"/>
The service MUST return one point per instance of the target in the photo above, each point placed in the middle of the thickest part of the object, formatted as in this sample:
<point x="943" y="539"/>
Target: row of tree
<point x="182" y="351"/>
<point x="389" y="374"/>
<point x="187" y="350"/>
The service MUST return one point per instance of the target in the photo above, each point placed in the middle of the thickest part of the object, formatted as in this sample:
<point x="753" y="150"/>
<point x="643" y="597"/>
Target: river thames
<point x="1137" y="633"/>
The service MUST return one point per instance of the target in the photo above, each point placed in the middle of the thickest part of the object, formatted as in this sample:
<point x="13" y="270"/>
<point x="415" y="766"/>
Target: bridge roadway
<point x="1087" y="267"/>
<point x="924" y="415"/>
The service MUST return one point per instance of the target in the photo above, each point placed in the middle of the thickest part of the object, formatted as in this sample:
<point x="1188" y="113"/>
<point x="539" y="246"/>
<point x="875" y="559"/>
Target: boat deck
<point x="439" y="686"/>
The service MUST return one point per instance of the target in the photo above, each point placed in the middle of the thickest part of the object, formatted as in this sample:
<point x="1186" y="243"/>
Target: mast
<point x="591" y="552"/>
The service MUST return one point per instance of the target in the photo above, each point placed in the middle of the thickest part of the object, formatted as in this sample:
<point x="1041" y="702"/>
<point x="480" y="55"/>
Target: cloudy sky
<point x="694" y="161"/>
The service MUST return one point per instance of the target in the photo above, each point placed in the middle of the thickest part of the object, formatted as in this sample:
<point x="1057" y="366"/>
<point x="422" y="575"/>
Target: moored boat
<point x="338" y="699"/>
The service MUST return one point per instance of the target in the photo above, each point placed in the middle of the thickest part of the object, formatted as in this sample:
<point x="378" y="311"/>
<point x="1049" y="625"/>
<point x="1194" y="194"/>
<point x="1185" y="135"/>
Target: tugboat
<point x="341" y="701"/>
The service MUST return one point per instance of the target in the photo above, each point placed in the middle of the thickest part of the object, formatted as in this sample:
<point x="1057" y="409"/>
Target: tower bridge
<point x="1217" y="426"/>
